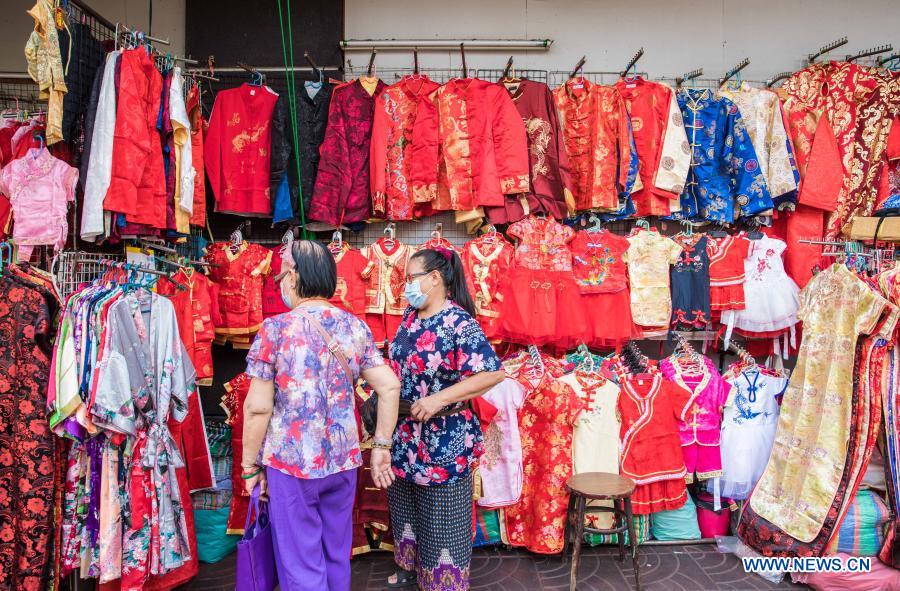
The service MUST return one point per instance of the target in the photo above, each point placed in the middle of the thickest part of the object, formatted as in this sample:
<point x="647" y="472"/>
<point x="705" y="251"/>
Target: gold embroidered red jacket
<point x="385" y="275"/>
<point x="469" y="146"/>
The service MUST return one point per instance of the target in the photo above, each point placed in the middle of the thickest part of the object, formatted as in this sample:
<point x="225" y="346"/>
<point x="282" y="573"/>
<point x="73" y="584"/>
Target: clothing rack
<point x="887" y="58"/>
<point x="578" y="67"/>
<point x="693" y="74"/>
<point x="778" y="78"/>
<point x="734" y="71"/>
<point x="870" y="52"/>
<point x="811" y="58"/>
<point x="633" y="61"/>
<point x="508" y="68"/>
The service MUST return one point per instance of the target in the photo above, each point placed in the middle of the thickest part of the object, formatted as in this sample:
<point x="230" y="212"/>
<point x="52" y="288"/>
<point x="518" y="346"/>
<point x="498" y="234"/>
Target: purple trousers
<point x="312" y="530"/>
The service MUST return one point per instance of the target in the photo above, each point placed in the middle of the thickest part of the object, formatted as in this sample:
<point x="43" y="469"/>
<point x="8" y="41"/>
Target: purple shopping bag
<point x="255" y="553"/>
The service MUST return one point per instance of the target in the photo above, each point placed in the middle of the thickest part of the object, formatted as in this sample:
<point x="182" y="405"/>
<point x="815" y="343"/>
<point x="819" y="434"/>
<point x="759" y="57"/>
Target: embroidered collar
<point x="232" y="255"/>
<point x="717" y="249"/>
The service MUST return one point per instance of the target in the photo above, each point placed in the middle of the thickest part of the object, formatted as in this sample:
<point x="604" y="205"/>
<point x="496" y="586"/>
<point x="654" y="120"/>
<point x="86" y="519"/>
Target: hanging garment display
<point x="342" y="192"/>
<point x="598" y="266"/>
<point x="726" y="272"/>
<point x="550" y="190"/>
<point x="137" y="186"/>
<point x="649" y="407"/>
<point x="237" y="150"/>
<point x="541" y="302"/>
<point x="486" y="262"/>
<point x="598" y="142"/>
<point x="240" y="272"/>
<point x="595" y="444"/>
<point x="45" y="65"/>
<point x="661" y="142"/>
<point x="761" y="111"/>
<point x="385" y="277"/>
<point x="500" y="468"/>
<point x="96" y="168"/>
<point x="470" y="146"/>
<point x="197" y="312"/>
<point x="802" y="477"/>
<point x="198" y="131"/>
<point x="313" y="104"/>
<point x="40" y="188"/>
<point x="350" y="294"/>
<point x="771" y="304"/>
<point x="183" y="172"/>
<point x="724" y="168"/>
<point x="139" y="391"/>
<point x="700" y="419"/>
<point x="392" y="156"/>
<point x="546" y="425"/>
<point x="748" y="429"/>
<point x="27" y="448"/>
<point x="690" y="283"/>
<point x="236" y="391"/>
<point x="649" y="257"/>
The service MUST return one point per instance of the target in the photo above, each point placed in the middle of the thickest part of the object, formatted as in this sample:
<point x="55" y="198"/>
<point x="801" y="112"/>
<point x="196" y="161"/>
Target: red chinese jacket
<point x="392" y="160"/>
<point x="240" y="275"/>
<point x="598" y="142"/>
<point x="197" y="314"/>
<point x="350" y="294"/>
<point x="385" y="276"/>
<point x="236" y="392"/>
<point x="137" y="185"/>
<point x="469" y="147"/>
<point x="661" y="142"/>
<point x="486" y="262"/>
<point x="550" y="189"/>
<point x="236" y="151"/>
<point x="342" y="190"/>
<point x="198" y="131"/>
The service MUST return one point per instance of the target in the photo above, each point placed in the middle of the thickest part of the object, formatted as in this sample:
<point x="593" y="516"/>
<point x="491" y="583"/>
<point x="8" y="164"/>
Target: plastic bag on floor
<point x="732" y="545"/>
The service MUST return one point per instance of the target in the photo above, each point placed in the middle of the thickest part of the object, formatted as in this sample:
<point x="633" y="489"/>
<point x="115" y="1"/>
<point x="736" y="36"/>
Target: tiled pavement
<point x="663" y="568"/>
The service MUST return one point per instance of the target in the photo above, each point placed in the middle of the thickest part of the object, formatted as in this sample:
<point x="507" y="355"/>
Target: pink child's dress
<point x="39" y="187"/>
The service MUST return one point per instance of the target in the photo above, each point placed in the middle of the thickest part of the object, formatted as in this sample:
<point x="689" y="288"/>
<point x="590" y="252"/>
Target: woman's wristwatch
<point x="381" y="443"/>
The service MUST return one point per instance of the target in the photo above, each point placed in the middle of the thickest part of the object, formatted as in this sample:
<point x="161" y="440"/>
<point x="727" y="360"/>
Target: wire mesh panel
<point x="391" y="75"/>
<point x="412" y="233"/>
<point x="74" y="268"/>
<point x="495" y="74"/>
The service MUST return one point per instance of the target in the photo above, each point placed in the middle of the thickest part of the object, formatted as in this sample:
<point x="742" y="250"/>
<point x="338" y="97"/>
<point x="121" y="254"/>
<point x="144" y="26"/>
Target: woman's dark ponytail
<point x="449" y="265"/>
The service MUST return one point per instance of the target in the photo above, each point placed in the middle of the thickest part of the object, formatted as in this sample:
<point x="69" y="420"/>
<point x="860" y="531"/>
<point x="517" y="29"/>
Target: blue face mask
<point x="414" y="295"/>
<point x="285" y="297"/>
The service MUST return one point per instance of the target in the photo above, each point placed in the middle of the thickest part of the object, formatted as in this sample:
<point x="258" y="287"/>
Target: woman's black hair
<point x="316" y="269"/>
<point x="449" y="265"/>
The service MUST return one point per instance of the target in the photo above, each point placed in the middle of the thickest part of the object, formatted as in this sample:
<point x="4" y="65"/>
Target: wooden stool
<point x="600" y="486"/>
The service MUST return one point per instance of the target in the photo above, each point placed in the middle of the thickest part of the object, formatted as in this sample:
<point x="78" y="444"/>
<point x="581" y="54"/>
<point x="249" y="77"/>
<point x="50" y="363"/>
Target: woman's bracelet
<point x="250" y="475"/>
<point x="379" y="443"/>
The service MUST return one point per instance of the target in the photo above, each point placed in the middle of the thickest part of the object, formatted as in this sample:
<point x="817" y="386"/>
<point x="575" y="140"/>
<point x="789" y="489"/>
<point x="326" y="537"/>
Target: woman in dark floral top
<point x="443" y="360"/>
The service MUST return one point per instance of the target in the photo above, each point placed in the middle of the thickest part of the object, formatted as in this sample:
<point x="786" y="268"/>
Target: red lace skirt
<point x="542" y="308"/>
<point x="727" y="297"/>
<point x="607" y="317"/>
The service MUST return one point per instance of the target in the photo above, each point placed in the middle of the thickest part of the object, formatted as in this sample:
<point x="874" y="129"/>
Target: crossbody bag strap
<point x="330" y="343"/>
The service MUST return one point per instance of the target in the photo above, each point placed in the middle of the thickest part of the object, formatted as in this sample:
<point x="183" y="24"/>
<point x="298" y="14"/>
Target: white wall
<point x="16" y="25"/>
<point x="677" y="35"/>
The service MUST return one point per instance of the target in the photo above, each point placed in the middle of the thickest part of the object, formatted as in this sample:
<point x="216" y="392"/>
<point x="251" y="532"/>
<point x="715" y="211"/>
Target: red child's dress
<point x="486" y="261"/>
<point x="541" y="301"/>
<point x="602" y="277"/>
<point x="726" y="273"/>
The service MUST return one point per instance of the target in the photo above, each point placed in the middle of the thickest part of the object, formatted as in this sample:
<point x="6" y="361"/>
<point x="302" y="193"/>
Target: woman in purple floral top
<point x="300" y="423"/>
<point x="443" y="360"/>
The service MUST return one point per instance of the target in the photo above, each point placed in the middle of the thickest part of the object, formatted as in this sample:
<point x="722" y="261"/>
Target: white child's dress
<point x="748" y="430"/>
<point x="771" y="296"/>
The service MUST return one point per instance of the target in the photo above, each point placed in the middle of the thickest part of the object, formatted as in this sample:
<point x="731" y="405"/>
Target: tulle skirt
<point x="542" y="308"/>
<point x="745" y="453"/>
<point x="607" y="318"/>
<point x="770" y="306"/>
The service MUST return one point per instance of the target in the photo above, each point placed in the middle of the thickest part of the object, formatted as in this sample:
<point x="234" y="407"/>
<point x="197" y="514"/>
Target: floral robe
<point x="147" y="378"/>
